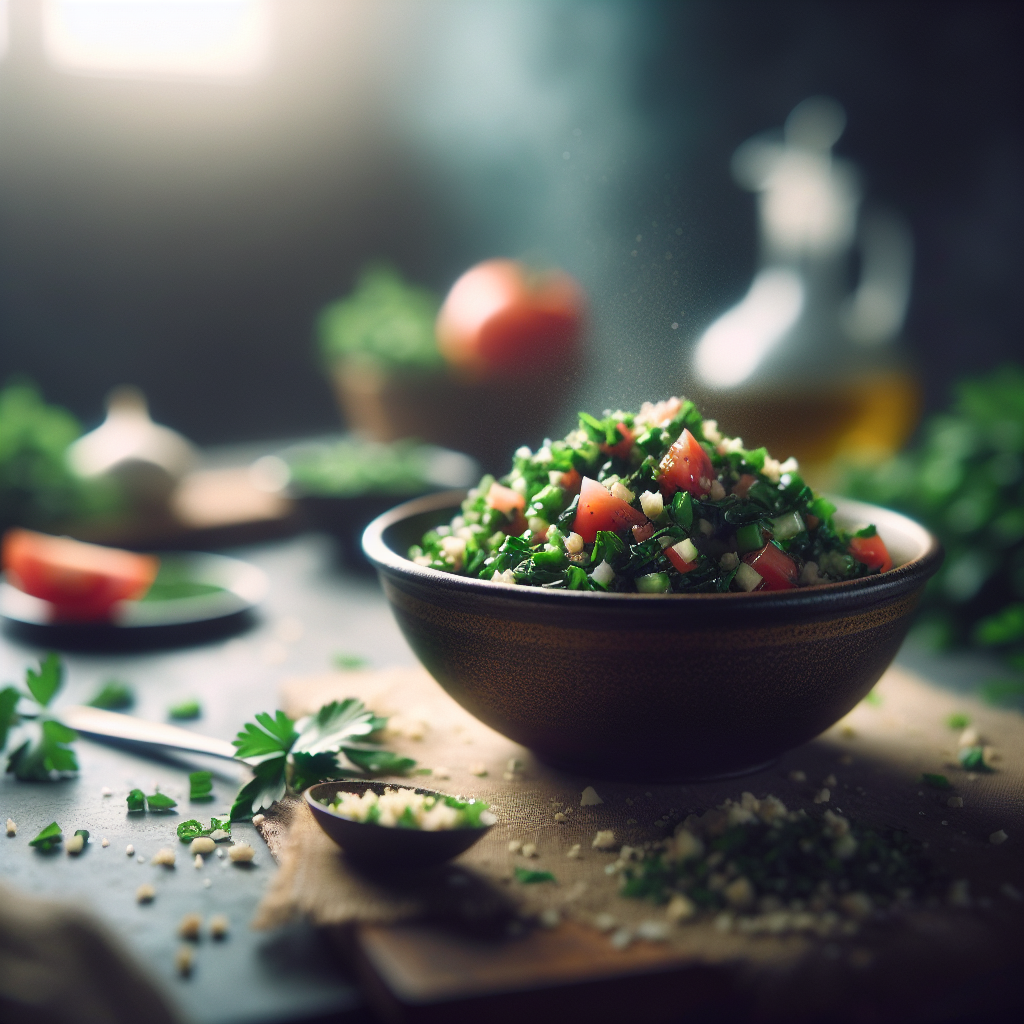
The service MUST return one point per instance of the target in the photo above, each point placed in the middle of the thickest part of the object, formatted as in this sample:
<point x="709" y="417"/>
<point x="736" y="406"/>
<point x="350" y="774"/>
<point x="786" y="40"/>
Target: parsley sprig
<point x="41" y="744"/>
<point x="335" y="743"/>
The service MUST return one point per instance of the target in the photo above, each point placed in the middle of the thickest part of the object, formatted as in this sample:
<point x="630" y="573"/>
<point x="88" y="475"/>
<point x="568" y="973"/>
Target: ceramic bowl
<point x="667" y="687"/>
<point x="378" y="845"/>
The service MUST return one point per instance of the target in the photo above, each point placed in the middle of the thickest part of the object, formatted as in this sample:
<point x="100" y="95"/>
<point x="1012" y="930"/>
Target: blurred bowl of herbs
<point x="379" y="347"/>
<point x="964" y="480"/>
<point x="341" y="484"/>
<point x="38" y="487"/>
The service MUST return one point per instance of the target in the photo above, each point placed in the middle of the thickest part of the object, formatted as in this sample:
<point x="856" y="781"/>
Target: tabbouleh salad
<point x="651" y="502"/>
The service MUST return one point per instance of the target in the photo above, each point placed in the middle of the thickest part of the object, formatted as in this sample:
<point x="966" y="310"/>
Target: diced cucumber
<point x="655" y="583"/>
<point x="788" y="526"/>
<point x="746" y="578"/>
<point x="749" y="538"/>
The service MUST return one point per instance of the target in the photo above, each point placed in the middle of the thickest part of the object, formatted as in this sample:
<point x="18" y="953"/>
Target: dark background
<point x="182" y="235"/>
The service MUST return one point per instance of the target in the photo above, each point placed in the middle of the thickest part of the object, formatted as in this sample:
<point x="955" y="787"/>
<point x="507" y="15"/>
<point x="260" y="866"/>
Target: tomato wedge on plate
<point x="600" y="510"/>
<point x="82" y="581"/>
<point x="685" y="467"/>
<point x="775" y="567"/>
<point x="872" y="552"/>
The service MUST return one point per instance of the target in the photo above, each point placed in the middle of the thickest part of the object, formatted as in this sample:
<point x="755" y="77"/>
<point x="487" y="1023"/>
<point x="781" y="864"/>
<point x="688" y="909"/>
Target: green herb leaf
<point x="266" y="788"/>
<point x="9" y="698"/>
<point x="528" y="877"/>
<point x="49" y="838"/>
<point x="873" y="699"/>
<point x="186" y="711"/>
<point x="274" y="739"/>
<point x="114" y="696"/>
<point x="333" y="725"/>
<point x="381" y="762"/>
<point x="83" y="833"/>
<point x="191" y="829"/>
<point x="349" y="662"/>
<point x="958" y="720"/>
<point x="47" y="681"/>
<point x="868" y="531"/>
<point x="936" y="781"/>
<point x="972" y="759"/>
<point x="200" y="785"/>
<point x="136" y="801"/>
<point x="160" y="802"/>
<point x="38" y="759"/>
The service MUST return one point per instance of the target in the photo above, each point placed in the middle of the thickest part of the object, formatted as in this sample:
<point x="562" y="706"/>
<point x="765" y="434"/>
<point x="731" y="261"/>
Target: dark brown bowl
<point x="653" y="686"/>
<point x="379" y="845"/>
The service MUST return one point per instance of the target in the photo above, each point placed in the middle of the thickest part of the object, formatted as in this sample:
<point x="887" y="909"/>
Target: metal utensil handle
<point x="124" y="727"/>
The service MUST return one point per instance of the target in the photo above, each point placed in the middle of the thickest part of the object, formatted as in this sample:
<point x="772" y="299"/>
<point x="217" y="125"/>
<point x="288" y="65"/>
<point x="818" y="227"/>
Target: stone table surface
<point x="313" y="611"/>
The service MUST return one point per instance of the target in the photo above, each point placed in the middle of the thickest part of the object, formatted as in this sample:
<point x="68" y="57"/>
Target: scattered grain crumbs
<point x="969" y="738"/>
<point x="589" y="797"/>
<point x="141" y="859"/>
<point x="797" y="776"/>
<point x="258" y="819"/>
<point x="955" y="801"/>
<point x="830" y="780"/>
<point x="207" y="883"/>
<point x="75" y="845"/>
<point x="652" y="931"/>
<point x="202" y="844"/>
<point x="680" y="908"/>
<point x="574" y="852"/>
<point x="164" y="857"/>
<point x="478" y="768"/>
<point x="441" y="773"/>
<point x="130" y="850"/>
<point x="560" y="817"/>
<point x="104" y="842"/>
<point x="242" y="853"/>
<point x="822" y="796"/>
<point x="550" y="918"/>
<point x="740" y="893"/>
<point x="183" y="960"/>
<point x="604" y="840"/>
<point x="107" y="791"/>
<point x="998" y="837"/>
<point x="12" y="828"/>
<point x="145" y="893"/>
<point x="198" y="862"/>
<point x="529" y="849"/>
<point x="220" y="853"/>
<point x="219" y="926"/>
<point x="515" y="845"/>
<point x="189" y="926"/>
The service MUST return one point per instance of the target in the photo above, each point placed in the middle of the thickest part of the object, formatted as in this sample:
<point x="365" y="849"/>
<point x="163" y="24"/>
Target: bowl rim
<point x="912" y="572"/>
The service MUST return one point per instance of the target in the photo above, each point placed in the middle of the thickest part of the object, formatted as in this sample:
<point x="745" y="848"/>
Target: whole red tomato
<point x="502" y="318"/>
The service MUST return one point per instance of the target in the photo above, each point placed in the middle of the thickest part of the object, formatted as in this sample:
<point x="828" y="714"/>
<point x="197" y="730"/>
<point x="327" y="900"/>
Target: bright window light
<point x="158" y="38"/>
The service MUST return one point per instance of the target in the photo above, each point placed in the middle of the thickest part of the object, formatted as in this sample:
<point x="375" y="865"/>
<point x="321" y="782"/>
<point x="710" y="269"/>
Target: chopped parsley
<point x="186" y="711"/>
<point x="160" y="802"/>
<point x="114" y="696"/>
<point x="958" y="720"/>
<point x="651" y="502"/>
<point x="972" y="759"/>
<point x="200" y="786"/>
<point x="936" y="781"/>
<point x="193" y="829"/>
<point x="528" y="877"/>
<point x="50" y="838"/>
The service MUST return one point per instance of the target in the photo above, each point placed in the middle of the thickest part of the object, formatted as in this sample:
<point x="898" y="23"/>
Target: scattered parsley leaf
<point x="46" y="682"/>
<point x="49" y="838"/>
<point x="200" y="785"/>
<point x="9" y="698"/>
<point x="193" y="829"/>
<point x="349" y="662"/>
<point x="114" y="696"/>
<point x="274" y="739"/>
<point x="958" y="720"/>
<point x="160" y="802"/>
<point x="38" y="761"/>
<point x="972" y="759"/>
<point x="186" y="711"/>
<point x="528" y="877"/>
<point x="136" y="800"/>
<point x="936" y="781"/>
<point x="868" y="531"/>
<point x="873" y="699"/>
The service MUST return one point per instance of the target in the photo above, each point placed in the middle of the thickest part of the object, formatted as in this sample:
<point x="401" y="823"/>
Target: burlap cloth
<point x="876" y="754"/>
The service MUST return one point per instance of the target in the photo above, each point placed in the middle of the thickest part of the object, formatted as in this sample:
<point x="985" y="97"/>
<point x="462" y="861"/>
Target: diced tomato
<point x="82" y="581"/>
<point x="743" y="485"/>
<point x="600" y="510"/>
<point x="622" y="448"/>
<point x="644" y="532"/>
<point x="813" y="522"/>
<point x="571" y="481"/>
<point x="518" y="526"/>
<point x="775" y="567"/>
<point x="504" y="499"/>
<point x="677" y="560"/>
<point x="685" y="467"/>
<point x="872" y="552"/>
